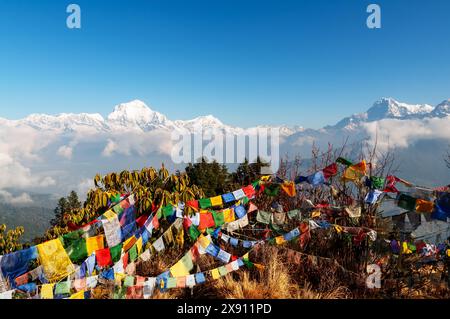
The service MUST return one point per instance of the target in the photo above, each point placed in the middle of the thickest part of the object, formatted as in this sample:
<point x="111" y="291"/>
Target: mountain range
<point x="54" y="154"/>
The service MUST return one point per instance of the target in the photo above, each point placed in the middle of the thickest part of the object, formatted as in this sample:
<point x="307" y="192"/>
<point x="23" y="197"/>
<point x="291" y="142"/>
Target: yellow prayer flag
<point x="406" y="249"/>
<point x="289" y="188"/>
<point x="47" y="291"/>
<point x="54" y="260"/>
<point x="77" y="295"/>
<point x="204" y="241"/>
<point x="228" y="215"/>
<point x="118" y="278"/>
<point x="246" y="257"/>
<point x="216" y="201"/>
<point x="424" y="206"/>
<point x="129" y="243"/>
<point x="338" y="228"/>
<point x="139" y="244"/>
<point x="355" y="172"/>
<point x="280" y="240"/>
<point x="265" y="178"/>
<point x="315" y="214"/>
<point x="109" y="215"/>
<point x="183" y="266"/>
<point x="215" y="273"/>
<point x="94" y="243"/>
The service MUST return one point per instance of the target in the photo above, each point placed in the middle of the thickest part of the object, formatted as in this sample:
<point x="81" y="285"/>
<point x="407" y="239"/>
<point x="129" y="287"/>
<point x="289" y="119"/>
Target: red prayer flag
<point x="249" y="191"/>
<point x="125" y="260"/>
<point x="155" y="222"/>
<point x="330" y="170"/>
<point x="193" y="204"/>
<point x="103" y="257"/>
<point x="206" y="221"/>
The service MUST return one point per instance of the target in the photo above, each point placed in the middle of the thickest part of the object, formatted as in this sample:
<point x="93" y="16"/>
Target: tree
<point x="247" y="173"/>
<point x="213" y="178"/>
<point x="65" y="206"/>
<point x="10" y="240"/>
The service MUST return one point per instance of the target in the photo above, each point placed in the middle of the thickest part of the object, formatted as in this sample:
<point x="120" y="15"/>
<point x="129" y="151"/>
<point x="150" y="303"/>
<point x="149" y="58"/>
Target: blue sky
<point x="245" y="61"/>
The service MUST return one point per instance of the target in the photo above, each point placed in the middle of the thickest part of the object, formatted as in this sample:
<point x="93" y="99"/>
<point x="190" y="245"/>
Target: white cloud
<point x="21" y="199"/>
<point x="84" y="187"/>
<point x="139" y="142"/>
<point x="19" y="146"/>
<point x="391" y="133"/>
<point x="65" y="151"/>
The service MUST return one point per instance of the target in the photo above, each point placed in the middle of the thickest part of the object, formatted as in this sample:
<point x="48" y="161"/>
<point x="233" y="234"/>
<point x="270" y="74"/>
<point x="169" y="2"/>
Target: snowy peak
<point x="390" y="108"/>
<point x="442" y="110"/>
<point x="137" y="114"/>
<point x="64" y="121"/>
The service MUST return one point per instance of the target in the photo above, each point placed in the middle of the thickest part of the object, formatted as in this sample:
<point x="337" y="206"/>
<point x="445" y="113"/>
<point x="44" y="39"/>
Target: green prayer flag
<point x="159" y="213"/>
<point x="205" y="203"/>
<point x="129" y="281"/>
<point x="344" y="161"/>
<point x="263" y="217"/>
<point x="219" y="218"/>
<point x="133" y="254"/>
<point x="248" y="263"/>
<point x="272" y="190"/>
<point x="115" y="198"/>
<point x="245" y="200"/>
<point x="406" y="202"/>
<point x="77" y="250"/>
<point x="209" y="231"/>
<point x="118" y="209"/>
<point x="294" y="214"/>
<point x="377" y="182"/>
<point x="120" y="293"/>
<point x="69" y="238"/>
<point x="194" y="232"/>
<point x="168" y="211"/>
<point x="62" y="288"/>
<point x="116" y="252"/>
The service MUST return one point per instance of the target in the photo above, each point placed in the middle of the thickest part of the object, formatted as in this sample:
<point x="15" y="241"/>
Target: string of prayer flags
<point x="55" y="262"/>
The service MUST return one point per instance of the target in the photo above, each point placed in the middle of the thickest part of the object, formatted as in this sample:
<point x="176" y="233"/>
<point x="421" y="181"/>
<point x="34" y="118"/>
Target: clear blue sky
<point x="245" y="61"/>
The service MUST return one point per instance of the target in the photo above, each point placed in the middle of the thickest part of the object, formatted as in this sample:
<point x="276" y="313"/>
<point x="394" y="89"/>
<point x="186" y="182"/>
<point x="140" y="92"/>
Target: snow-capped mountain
<point x="388" y="108"/>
